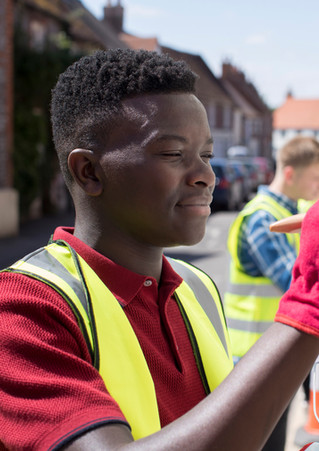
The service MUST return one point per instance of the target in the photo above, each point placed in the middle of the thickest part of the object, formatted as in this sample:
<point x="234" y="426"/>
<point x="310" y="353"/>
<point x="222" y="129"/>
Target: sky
<point x="274" y="42"/>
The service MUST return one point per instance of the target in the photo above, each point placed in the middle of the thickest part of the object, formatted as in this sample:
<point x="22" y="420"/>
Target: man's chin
<point x="187" y="241"/>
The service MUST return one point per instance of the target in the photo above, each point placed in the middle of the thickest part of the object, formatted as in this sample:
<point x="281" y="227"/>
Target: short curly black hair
<point x="87" y="97"/>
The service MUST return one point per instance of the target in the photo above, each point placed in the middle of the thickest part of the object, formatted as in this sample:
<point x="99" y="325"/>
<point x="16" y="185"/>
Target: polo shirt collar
<point x="122" y="282"/>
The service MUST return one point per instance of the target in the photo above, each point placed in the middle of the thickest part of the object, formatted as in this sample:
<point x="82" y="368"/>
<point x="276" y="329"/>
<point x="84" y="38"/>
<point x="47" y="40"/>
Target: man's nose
<point x="202" y="173"/>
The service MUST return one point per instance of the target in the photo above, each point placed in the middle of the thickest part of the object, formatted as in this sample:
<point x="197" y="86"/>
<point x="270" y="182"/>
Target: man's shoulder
<point x="18" y="287"/>
<point x="259" y="218"/>
<point x="261" y="210"/>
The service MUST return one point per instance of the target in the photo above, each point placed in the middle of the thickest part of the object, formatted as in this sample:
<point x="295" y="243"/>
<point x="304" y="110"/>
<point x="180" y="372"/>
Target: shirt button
<point x="147" y="283"/>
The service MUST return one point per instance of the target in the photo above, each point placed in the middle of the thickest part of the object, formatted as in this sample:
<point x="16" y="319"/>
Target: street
<point x="210" y="254"/>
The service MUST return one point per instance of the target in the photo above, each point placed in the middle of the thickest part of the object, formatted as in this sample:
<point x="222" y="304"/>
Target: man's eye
<point x="173" y="153"/>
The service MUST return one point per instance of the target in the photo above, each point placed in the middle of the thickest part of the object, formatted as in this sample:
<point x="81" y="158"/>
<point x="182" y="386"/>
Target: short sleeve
<point x="49" y="390"/>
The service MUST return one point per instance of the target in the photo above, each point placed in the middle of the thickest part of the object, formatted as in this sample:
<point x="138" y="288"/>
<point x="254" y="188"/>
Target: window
<point x="211" y="114"/>
<point x="227" y="119"/>
<point x="219" y="116"/>
<point x="37" y="34"/>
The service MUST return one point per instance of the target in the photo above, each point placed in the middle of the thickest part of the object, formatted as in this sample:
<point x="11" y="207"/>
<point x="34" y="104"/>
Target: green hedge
<point x="35" y="162"/>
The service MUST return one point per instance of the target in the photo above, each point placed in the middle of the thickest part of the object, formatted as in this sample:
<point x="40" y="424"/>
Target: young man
<point x="103" y="344"/>
<point x="262" y="261"/>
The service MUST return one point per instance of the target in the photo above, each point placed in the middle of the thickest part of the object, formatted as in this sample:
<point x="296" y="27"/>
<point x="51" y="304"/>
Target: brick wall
<point x="9" y="211"/>
<point x="6" y="92"/>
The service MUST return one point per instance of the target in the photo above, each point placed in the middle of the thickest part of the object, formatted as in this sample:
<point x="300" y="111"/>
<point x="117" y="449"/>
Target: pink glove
<point x="299" y="306"/>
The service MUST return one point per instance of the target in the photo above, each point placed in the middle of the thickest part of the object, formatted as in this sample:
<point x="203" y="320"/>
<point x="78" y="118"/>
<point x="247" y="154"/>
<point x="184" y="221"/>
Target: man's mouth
<point x="196" y="205"/>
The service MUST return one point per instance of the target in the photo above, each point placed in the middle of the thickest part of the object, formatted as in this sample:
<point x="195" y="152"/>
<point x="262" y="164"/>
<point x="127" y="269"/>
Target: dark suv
<point x="228" y="192"/>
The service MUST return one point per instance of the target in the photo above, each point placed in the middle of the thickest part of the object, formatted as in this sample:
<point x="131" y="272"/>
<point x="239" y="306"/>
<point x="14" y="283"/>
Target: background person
<point x="262" y="261"/>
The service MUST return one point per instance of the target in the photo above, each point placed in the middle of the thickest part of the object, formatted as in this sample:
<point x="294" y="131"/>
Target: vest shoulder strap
<point x="259" y="202"/>
<point x="67" y="280"/>
<point x="203" y="296"/>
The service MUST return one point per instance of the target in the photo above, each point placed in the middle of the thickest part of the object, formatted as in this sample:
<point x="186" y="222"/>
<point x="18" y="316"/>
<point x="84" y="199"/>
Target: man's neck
<point x="279" y="187"/>
<point x="137" y="257"/>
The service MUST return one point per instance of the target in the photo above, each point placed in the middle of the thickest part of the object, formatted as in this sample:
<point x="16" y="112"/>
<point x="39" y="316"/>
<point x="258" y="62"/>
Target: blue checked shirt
<point x="265" y="253"/>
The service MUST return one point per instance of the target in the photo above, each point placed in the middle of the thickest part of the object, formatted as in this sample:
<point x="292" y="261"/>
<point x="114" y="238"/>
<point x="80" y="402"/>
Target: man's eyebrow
<point x="170" y="137"/>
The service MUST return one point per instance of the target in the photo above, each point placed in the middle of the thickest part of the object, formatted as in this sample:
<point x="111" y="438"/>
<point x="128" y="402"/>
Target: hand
<point x="292" y="224"/>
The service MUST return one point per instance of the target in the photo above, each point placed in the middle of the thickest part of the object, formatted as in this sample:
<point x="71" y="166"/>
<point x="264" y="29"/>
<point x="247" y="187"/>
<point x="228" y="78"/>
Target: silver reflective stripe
<point x="43" y="259"/>
<point x="264" y="291"/>
<point x="203" y="296"/>
<point x="258" y="327"/>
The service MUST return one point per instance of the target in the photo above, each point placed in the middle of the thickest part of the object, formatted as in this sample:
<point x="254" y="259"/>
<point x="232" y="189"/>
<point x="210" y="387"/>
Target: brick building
<point x="44" y="20"/>
<point x="46" y="30"/>
<point x="8" y="196"/>
<point x="252" y="118"/>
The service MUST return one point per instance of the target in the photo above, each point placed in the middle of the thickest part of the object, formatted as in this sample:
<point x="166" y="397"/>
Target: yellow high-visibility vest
<point x="304" y="205"/>
<point x="112" y="342"/>
<point x="251" y="302"/>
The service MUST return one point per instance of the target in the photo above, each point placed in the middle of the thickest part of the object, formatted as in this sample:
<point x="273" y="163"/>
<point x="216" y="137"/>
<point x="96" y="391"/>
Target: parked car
<point x="228" y="186"/>
<point x="243" y="174"/>
<point x="237" y="151"/>
<point x="252" y="170"/>
<point x="265" y="169"/>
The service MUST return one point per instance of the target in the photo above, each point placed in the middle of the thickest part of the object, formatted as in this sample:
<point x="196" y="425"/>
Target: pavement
<point x="32" y="235"/>
<point x="36" y="233"/>
<point x="297" y="418"/>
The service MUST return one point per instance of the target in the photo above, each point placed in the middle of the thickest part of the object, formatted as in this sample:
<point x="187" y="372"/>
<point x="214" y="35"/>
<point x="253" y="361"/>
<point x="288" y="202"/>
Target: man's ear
<point x="289" y="173"/>
<point x="85" y="169"/>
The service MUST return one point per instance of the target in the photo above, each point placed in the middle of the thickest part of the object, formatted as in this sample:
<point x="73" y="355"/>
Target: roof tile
<point x="297" y="114"/>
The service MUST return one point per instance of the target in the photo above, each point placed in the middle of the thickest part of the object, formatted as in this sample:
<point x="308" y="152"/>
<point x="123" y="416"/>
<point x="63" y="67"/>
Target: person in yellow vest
<point x="261" y="261"/>
<point x="104" y="342"/>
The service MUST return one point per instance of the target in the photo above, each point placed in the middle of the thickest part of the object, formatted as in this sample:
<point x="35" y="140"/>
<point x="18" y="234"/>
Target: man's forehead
<point x="145" y="107"/>
<point x="151" y="103"/>
<point x="139" y="109"/>
<point x="149" y="116"/>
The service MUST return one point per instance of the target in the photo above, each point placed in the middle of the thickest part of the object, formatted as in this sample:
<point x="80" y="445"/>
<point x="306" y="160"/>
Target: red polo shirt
<point x="49" y="390"/>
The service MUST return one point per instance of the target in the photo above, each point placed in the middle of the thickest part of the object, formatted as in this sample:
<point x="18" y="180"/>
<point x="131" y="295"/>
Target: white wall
<point x="281" y="137"/>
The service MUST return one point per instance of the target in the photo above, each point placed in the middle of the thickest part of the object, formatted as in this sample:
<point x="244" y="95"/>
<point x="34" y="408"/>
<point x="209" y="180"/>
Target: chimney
<point x="289" y="95"/>
<point x="226" y="69"/>
<point x="113" y="16"/>
<point x="230" y="72"/>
